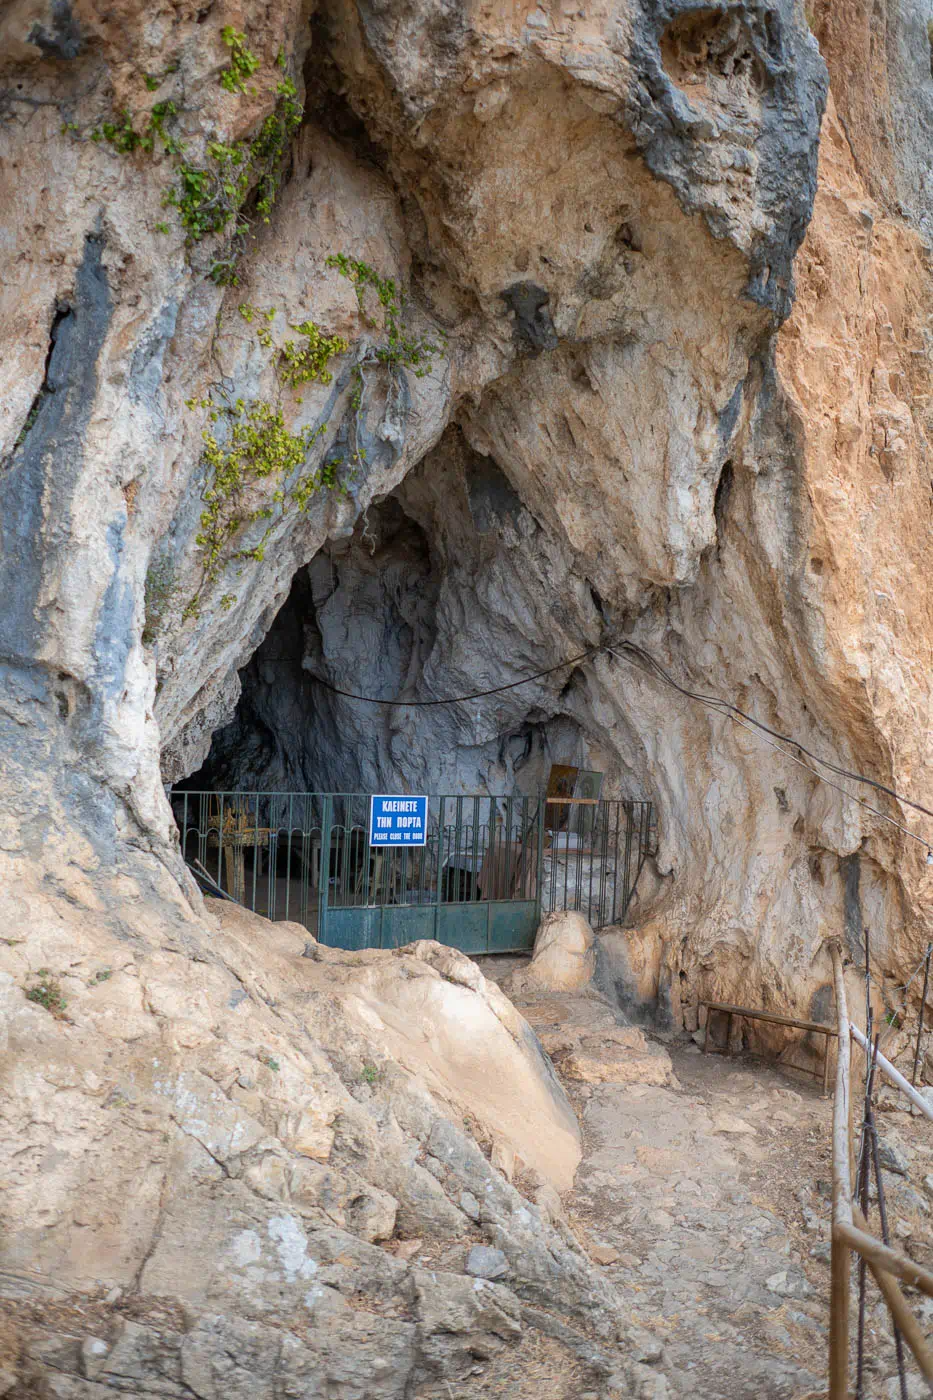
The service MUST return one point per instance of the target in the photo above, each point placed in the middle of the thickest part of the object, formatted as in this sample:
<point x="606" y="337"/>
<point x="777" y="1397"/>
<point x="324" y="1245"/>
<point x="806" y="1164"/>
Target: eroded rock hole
<point x="709" y="45"/>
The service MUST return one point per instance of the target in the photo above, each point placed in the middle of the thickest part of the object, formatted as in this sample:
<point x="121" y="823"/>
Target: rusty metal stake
<point x="883" y="1214"/>
<point x="923" y="1007"/>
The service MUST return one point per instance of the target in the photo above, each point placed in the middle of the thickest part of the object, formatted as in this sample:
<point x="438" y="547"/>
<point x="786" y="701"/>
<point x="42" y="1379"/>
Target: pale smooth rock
<point x="606" y="1059"/>
<point x="430" y="1008"/>
<point x="729" y="1123"/>
<point x="564" y="957"/>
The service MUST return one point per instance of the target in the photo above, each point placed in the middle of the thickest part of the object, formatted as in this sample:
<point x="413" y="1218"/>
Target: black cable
<point x="459" y="699"/>
<point x="716" y="702"/>
<point x="645" y="662"/>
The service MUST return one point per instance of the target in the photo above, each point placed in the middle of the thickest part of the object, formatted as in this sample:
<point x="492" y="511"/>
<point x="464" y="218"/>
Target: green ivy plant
<point x="234" y="183"/>
<point x="243" y="62"/>
<point x="401" y="348"/>
<point x="298" y="363"/>
<point x="258" y="446"/>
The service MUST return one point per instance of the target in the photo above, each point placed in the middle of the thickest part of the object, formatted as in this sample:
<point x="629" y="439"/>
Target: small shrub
<point x="369" y="1074"/>
<point x="271" y="1063"/>
<point x="47" y="993"/>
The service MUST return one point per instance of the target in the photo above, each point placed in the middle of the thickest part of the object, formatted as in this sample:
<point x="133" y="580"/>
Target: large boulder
<point x="431" y="1009"/>
<point x="564" y="957"/>
<point x="213" y="1146"/>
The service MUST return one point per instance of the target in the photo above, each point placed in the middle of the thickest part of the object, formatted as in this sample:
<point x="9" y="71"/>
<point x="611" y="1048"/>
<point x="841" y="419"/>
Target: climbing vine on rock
<point x="232" y="184"/>
<point x="257" y="447"/>
<point x="401" y="348"/>
<point x="299" y="362"/>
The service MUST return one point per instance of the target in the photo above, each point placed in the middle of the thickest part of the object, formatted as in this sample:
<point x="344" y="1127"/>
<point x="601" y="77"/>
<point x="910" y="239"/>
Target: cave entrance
<point x="479" y="880"/>
<point x="446" y="587"/>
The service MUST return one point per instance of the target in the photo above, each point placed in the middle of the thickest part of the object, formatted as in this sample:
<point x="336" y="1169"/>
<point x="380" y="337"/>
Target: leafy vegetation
<point x="401" y="348"/>
<point x="233" y="183"/>
<point x="257" y="447"/>
<point x="255" y="444"/>
<point x="243" y="62"/>
<point x="307" y="362"/>
<point x="47" y="993"/>
<point x="212" y="195"/>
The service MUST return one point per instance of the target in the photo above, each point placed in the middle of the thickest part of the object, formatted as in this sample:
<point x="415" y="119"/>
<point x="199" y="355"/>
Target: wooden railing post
<point x="842" y="1200"/>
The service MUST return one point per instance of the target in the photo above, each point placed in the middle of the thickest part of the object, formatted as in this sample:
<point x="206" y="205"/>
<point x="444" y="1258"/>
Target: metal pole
<point x="923" y="1007"/>
<point x="324" y="873"/>
<point x="883" y="1214"/>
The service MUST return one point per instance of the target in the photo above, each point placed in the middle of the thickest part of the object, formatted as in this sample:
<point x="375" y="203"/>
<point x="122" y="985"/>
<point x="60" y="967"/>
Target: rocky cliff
<point x="413" y="348"/>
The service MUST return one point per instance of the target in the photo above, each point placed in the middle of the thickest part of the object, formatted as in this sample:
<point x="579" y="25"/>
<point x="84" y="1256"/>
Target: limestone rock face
<point x="205" y="1151"/>
<point x="564" y="957"/>
<point x="534" y="330"/>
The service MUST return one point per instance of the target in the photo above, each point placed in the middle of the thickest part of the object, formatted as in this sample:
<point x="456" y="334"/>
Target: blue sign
<point x="398" y="821"/>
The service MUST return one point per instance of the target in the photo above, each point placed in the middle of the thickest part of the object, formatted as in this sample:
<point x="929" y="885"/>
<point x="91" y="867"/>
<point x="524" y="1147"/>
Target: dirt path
<point x="710" y="1198"/>
<point x="697" y="1188"/>
<point x="707" y="1191"/>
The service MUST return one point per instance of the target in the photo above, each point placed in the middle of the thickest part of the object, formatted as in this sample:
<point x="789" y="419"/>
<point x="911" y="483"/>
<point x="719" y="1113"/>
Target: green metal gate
<point x="489" y="868"/>
<point x="474" y="885"/>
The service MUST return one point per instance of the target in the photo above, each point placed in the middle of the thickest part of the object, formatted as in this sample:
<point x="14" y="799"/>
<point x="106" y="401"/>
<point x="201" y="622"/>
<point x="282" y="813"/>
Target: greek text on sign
<point x="395" y="820"/>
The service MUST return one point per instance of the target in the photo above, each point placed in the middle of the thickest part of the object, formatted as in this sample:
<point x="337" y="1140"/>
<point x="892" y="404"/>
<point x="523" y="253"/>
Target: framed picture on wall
<point x="586" y="791"/>
<point x="561" y="782"/>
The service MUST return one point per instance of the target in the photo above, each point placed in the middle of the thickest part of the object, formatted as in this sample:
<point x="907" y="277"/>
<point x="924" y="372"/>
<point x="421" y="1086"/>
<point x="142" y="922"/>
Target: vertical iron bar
<point x="626" y="869"/>
<point x="457" y="841"/>
<point x="883" y="1214"/>
<point x="477" y="841"/>
<point x="493" y="863"/>
<point x="324" y="870"/>
<point x="615" y="863"/>
<point x="256" y="852"/>
<point x="220" y="846"/>
<point x="440" y="866"/>
<point x="271" y="859"/>
<point x="305" y="858"/>
<point x="508" y="884"/>
<point x="288" y="861"/>
<point x="539" y="875"/>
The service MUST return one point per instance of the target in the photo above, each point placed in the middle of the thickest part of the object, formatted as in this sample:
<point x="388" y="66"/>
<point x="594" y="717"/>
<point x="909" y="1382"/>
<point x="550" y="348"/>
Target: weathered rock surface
<point x="619" y="433"/>
<point x="431" y="1009"/>
<point x="678" y="393"/>
<point x="206" y="1154"/>
<point x="564" y="956"/>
